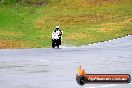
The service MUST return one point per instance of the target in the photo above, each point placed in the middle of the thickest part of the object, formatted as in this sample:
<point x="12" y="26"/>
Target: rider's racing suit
<point x="57" y="34"/>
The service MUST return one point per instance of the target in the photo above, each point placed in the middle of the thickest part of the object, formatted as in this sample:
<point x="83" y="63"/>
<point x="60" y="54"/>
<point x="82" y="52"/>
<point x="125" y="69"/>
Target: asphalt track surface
<point x="56" y="68"/>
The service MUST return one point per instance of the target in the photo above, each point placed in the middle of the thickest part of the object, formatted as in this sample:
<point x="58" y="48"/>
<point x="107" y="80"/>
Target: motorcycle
<point x="56" y="41"/>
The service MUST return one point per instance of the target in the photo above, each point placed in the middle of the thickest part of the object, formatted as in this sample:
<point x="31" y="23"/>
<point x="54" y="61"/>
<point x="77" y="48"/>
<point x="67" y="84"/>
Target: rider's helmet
<point x="57" y="27"/>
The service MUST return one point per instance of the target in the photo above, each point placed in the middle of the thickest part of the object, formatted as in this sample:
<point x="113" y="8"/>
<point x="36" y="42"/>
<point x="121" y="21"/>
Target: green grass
<point x="82" y="21"/>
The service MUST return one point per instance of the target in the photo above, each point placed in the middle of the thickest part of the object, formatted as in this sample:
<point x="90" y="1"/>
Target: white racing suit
<point x="56" y="38"/>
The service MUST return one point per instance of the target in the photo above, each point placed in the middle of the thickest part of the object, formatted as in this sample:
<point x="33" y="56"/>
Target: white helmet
<point x="57" y="27"/>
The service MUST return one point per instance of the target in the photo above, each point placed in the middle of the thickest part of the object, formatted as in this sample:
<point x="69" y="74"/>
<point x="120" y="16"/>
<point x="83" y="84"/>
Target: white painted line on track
<point x="102" y="86"/>
<point x="109" y="40"/>
<point x="40" y="60"/>
<point x="106" y="86"/>
<point x="43" y="60"/>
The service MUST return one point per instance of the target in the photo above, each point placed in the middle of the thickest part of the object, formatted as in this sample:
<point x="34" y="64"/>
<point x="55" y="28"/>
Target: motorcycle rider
<point x="57" y="34"/>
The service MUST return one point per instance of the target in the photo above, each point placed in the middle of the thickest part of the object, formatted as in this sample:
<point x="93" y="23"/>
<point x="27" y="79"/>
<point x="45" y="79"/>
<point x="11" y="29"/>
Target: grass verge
<point x="83" y="22"/>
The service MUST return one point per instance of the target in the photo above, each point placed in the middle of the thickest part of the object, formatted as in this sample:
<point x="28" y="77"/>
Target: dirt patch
<point x="76" y="36"/>
<point x="105" y="29"/>
<point x="81" y="19"/>
<point x="13" y="44"/>
<point x="39" y="24"/>
<point x="127" y="21"/>
<point x="114" y="26"/>
<point x="34" y="3"/>
<point x="119" y="23"/>
<point x="11" y="33"/>
<point x="111" y="27"/>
